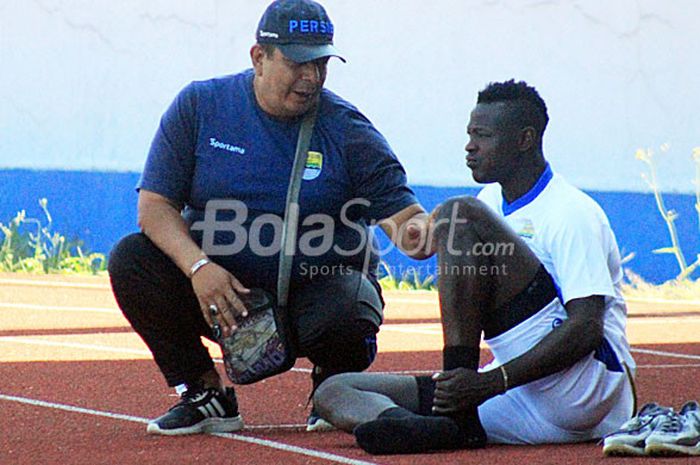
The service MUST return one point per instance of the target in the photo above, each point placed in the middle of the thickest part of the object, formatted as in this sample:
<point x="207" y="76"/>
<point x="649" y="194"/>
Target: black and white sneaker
<point x="200" y="411"/>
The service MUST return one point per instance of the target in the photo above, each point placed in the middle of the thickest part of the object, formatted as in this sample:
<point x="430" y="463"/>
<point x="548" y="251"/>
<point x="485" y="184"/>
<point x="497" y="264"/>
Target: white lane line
<point x="61" y="284"/>
<point x="433" y="302"/>
<point x="397" y="329"/>
<point x="276" y="427"/>
<point x="72" y="345"/>
<point x="295" y="449"/>
<point x="114" y="310"/>
<point x="237" y="437"/>
<point x="103" y="348"/>
<point x="688" y="365"/>
<point x="429" y="300"/>
<point x="98" y="348"/>
<point x="72" y="408"/>
<point x="662" y="301"/>
<point x="431" y="372"/>
<point x="655" y="320"/>
<point x="665" y="354"/>
<point x="60" y="308"/>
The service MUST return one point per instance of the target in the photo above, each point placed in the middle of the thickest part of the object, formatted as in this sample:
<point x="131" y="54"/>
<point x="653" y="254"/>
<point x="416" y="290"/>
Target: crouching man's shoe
<point x="200" y="410"/>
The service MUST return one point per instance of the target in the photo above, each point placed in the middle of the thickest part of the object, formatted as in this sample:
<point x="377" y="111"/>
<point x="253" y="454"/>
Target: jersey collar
<point x="530" y="195"/>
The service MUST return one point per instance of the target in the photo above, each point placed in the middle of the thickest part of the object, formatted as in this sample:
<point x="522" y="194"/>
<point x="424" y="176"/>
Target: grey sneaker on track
<point x="200" y="411"/>
<point x="631" y="438"/>
<point x="677" y="435"/>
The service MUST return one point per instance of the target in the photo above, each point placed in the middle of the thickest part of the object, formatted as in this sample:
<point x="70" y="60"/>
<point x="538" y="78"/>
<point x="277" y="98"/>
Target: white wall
<point x="83" y="83"/>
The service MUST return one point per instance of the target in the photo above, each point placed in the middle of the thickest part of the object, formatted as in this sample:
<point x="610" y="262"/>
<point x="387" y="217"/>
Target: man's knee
<point x="330" y="400"/>
<point x="457" y="215"/>
<point x="331" y="389"/>
<point x="350" y="347"/>
<point x="127" y="251"/>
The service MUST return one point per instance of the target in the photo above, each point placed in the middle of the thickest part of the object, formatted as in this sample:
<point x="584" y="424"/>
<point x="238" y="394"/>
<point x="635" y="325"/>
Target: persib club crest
<point x="314" y="165"/>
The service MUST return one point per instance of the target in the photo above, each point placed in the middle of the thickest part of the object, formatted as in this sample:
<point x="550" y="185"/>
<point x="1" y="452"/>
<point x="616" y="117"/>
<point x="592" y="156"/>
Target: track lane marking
<point x="687" y="365"/>
<point x="73" y="345"/>
<point x="59" y="284"/>
<point x="103" y="348"/>
<point x="665" y="353"/>
<point x="60" y="308"/>
<point x="237" y="437"/>
<point x="389" y="299"/>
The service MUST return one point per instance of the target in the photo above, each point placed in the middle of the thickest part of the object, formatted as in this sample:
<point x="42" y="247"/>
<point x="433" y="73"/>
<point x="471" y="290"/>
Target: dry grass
<point x="637" y="288"/>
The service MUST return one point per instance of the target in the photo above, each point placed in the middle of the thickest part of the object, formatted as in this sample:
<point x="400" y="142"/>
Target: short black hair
<point x="269" y="49"/>
<point x="527" y="107"/>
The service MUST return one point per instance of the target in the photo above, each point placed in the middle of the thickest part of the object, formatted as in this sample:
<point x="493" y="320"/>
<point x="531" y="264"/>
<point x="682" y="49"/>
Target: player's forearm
<point x="162" y="223"/>
<point x="559" y="350"/>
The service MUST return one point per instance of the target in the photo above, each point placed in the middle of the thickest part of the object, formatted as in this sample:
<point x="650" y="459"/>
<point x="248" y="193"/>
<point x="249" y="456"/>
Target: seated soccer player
<point x="532" y="264"/>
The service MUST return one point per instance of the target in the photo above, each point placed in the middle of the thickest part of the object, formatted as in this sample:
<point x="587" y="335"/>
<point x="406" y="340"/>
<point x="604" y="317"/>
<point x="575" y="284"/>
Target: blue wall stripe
<point x="100" y="207"/>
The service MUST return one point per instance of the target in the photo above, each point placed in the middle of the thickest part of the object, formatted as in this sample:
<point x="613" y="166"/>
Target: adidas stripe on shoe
<point x="631" y="438"/>
<point x="200" y="411"/>
<point x="677" y="435"/>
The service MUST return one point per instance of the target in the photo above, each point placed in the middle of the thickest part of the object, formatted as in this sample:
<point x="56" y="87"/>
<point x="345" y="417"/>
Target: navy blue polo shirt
<point x="215" y="143"/>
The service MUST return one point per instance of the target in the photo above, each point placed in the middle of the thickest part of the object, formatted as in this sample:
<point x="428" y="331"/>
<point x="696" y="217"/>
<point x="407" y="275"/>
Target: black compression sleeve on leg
<point x="426" y="394"/>
<point x="460" y="357"/>
<point x="396" y="412"/>
<point x="472" y="431"/>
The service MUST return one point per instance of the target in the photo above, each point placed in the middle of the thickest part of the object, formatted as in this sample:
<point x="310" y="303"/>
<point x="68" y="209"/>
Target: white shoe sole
<point x="612" y="450"/>
<point x="320" y="426"/>
<point x="209" y="425"/>
<point x="667" y="448"/>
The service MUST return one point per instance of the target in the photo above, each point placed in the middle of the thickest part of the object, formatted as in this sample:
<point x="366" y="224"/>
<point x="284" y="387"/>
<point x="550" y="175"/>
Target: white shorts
<point x="584" y="402"/>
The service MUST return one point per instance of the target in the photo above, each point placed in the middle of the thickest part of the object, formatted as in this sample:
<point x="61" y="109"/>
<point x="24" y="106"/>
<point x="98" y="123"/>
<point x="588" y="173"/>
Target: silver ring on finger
<point x="214" y="310"/>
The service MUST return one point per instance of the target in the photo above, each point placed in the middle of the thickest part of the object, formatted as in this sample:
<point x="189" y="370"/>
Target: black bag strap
<point x="291" y="209"/>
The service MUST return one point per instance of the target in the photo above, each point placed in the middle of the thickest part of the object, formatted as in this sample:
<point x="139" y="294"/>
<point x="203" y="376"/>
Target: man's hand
<point x="418" y="234"/>
<point x="462" y="389"/>
<point x="160" y="219"/>
<point x="213" y="285"/>
<point x="410" y="230"/>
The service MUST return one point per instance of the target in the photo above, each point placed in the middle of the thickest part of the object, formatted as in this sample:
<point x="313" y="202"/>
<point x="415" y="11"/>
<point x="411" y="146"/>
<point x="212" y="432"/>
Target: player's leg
<point x="336" y="319"/>
<point x="349" y="399"/>
<point x="483" y="266"/>
<point x="358" y="402"/>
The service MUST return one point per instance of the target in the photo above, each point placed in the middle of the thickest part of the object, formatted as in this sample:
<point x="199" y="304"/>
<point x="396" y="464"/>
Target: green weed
<point x="29" y="246"/>
<point x="410" y="280"/>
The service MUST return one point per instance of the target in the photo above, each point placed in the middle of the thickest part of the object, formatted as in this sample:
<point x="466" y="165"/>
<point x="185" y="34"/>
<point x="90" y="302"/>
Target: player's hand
<point x="460" y="389"/>
<point x="214" y="286"/>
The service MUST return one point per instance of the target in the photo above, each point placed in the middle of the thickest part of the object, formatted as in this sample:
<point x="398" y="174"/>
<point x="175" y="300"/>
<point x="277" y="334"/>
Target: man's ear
<point x="257" y="53"/>
<point x="527" y="139"/>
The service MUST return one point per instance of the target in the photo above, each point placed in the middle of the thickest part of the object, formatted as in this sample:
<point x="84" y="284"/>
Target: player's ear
<point x="527" y="139"/>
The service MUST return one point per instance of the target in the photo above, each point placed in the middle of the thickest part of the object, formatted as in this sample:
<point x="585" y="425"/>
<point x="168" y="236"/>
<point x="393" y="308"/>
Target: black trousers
<point x="334" y="319"/>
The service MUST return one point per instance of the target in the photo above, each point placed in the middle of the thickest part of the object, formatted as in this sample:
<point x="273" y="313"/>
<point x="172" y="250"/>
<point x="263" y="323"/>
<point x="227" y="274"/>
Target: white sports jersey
<point x="571" y="236"/>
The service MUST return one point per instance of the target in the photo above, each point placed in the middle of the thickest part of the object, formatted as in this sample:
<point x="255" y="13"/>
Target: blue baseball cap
<point x="301" y="29"/>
